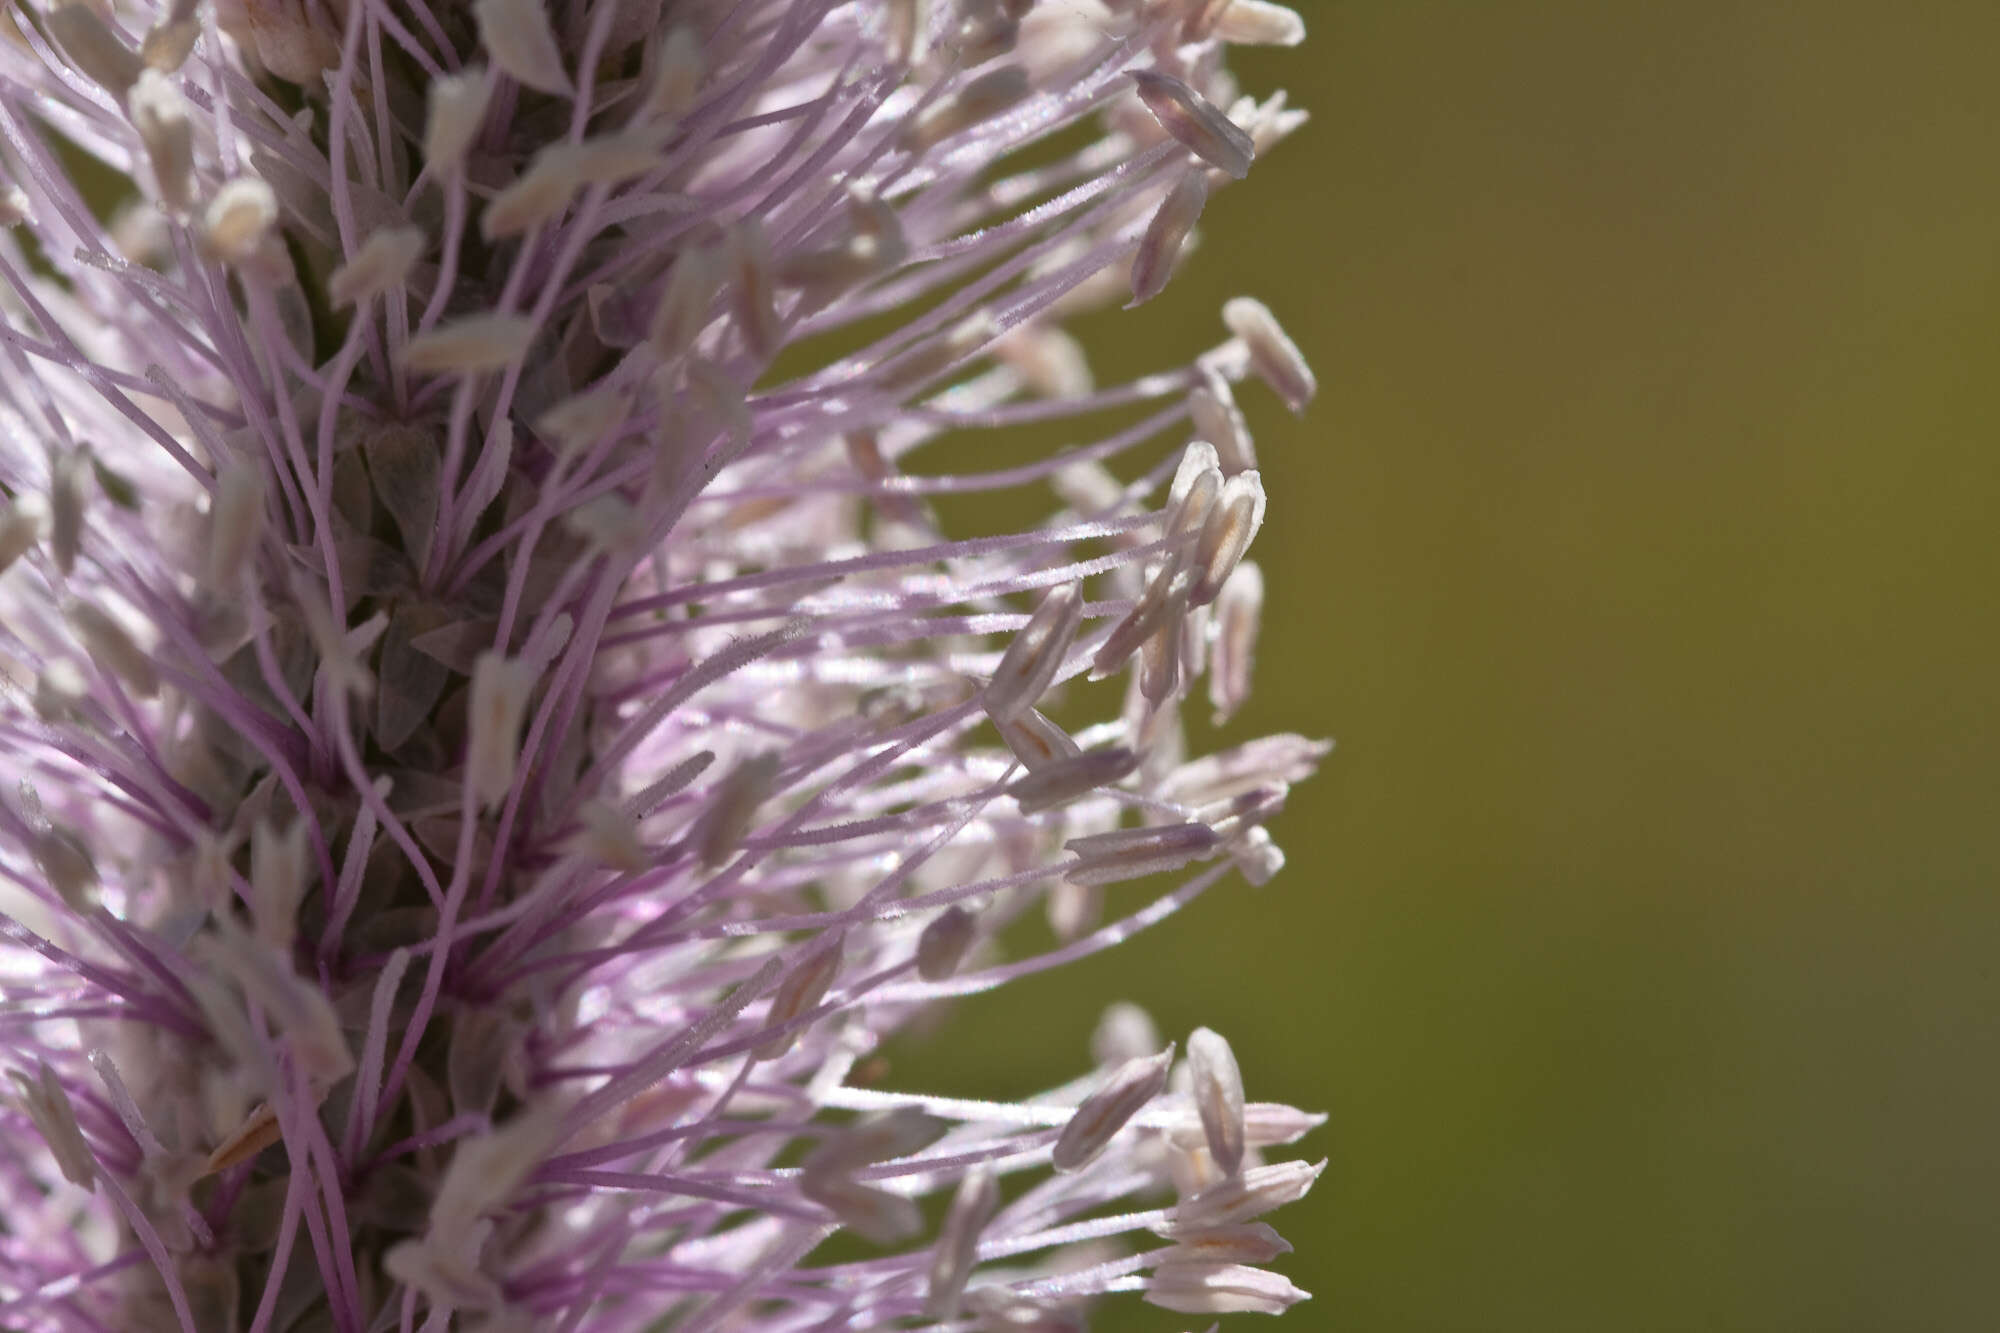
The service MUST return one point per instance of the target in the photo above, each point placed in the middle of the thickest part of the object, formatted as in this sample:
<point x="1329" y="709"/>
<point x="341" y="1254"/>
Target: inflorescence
<point x="500" y="717"/>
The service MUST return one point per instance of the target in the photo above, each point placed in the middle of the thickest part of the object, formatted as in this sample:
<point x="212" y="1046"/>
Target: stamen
<point x="469" y="345"/>
<point x="500" y="688"/>
<point x="1031" y="661"/>
<point x="456" y="110"/>
<point x="1274" y="356"/>
<point x="1160" y="247"/>
<point x="1198" y="125"/>
<point x="1105" y="1111"/>
<point x="1208" y="1288"/>
<point x="1239" y="612"/>
<point x="238" y="219"/>
<point x="160" y="115"/>
<point x="93" y="48"/>
<point x="944" y="942"/>
<point x="1218" y="1097"/>
<point x="516" y="33"/>
<point x="382" y="264"/>
<point x="1259" y="23"/>
<point x="1232" y="525"/>
<point x="47" y="1104"/>
<point x="978" y="1198"/>
<point x="800" y="991"/>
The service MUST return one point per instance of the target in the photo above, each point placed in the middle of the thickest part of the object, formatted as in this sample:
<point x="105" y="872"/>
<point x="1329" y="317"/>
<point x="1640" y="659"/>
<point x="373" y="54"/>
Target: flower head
<point x="500" y="726"/>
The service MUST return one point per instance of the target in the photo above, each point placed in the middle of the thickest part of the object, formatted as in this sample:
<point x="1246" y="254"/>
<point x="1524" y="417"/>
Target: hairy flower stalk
<point x="496" y="731"/>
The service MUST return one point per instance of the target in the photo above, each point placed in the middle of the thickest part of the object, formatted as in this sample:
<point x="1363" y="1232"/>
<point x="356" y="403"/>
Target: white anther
<point x="1273" y="355"/>
<point x="498" y="705"/>
<point x="977" y="102"/>
<point x="113" y="648"/>
<point x="1065" y="780"/>
<point x="978" y="1198"/>
<point x="160" y="115"/>
<point x="1196" y="123"/>
<point x="474" y="343"/>
<point x="1107" y="1110"/>
<point x="1108" y="858"/>
<point x="1218" y="1098"/>
<point x="1160" y="247"/>
<point x="799" y="992"/>
<point x="382" y="264"/>
<point x="943" y="944"/>
<point x="516" y="33"/>
<point x="734" y="806"/>
<point x="456" y="110"/>
<point x="1232" y="525"/>
<point x="1031" y="661"/>
<point x="238" y="218"/>
<point x="48" y="1106"/>
<point x="1239" y="613"/>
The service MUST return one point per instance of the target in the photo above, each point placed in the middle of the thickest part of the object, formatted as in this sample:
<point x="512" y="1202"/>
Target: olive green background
<point x="1641" y="936"/>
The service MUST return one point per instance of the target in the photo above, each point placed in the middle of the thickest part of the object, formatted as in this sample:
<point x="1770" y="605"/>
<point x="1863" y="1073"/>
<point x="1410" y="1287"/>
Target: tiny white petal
<point x="235" y="522"/>
<point x="66" y="482"/>
<point x="160" y="115"/>
<point x="540" y="193"/>
<point x="516" y="33"/>
<point x="456" y="110"/>
<point x="238" y="218"/>
<point x="1259" y="23"/>
<point x="475" y="343"/>
<point x="381" y="264"/>
<point x="447" y="1281"/>
<point x="277" y="881"/>
<point x="169" y="43"/>
<point x="499" y="704"/>
<point x="754" y="288"/>
<point x="675" y="76"/>
<point x="1257" y="857"/>
<point x="908" y="24"/>
<point x="683" y="311"/>
<point x="487" y="1169"/>
<point x="22" y="521"/>
<point x="585" y="418"/>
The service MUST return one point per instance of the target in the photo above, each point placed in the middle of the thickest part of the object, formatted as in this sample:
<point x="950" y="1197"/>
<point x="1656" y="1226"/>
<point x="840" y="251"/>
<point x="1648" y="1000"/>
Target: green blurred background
<point x="1642" y="935"/>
